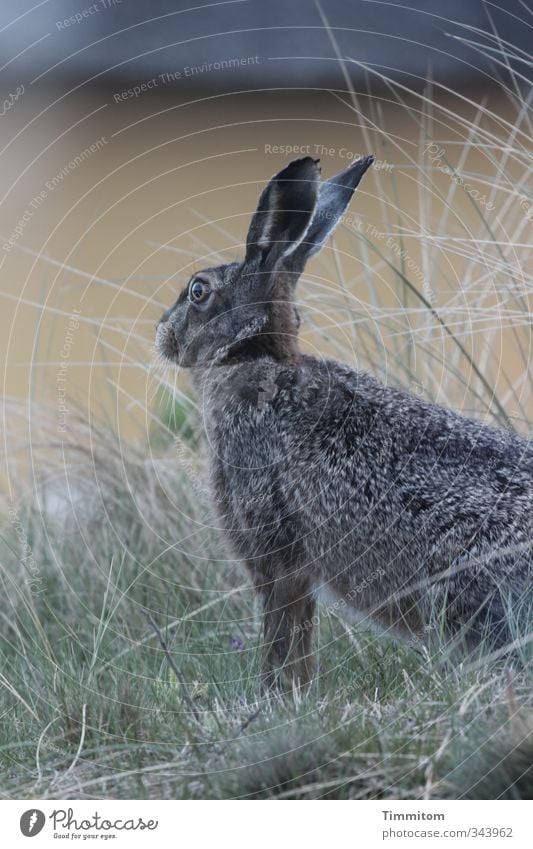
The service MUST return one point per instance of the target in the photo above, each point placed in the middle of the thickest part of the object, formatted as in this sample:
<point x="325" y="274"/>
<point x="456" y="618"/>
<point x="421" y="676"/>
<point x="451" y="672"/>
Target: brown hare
<point x="328" y="482"/>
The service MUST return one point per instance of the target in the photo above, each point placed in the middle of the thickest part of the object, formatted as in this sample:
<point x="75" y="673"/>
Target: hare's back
<point x="370" y="459"/>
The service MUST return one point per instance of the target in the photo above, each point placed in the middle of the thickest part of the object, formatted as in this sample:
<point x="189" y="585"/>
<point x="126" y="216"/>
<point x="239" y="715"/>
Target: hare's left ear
<point x="284" y="212"/>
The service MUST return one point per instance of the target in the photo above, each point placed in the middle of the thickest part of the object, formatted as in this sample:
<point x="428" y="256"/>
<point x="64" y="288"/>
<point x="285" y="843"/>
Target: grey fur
<point x="408" y="513"/>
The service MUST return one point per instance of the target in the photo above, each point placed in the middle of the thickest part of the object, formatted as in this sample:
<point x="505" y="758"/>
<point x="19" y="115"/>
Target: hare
<point x="329" y="483"/>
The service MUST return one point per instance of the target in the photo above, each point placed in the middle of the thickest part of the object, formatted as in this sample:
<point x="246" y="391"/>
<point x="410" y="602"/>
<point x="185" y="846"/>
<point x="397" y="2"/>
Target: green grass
<point x="91" y="707"/>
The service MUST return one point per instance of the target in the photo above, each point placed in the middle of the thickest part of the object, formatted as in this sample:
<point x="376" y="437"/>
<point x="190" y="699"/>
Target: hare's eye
<point x="199" y="290"/>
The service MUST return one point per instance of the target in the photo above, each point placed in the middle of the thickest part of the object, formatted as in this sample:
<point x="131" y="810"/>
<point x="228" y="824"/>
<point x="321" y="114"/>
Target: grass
<point x="130" y="641"/>
<point x="99" y="703"/>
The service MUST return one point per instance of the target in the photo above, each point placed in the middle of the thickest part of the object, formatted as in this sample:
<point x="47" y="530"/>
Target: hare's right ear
<point x="333" y="197"/>
<point x="284" y="212"/>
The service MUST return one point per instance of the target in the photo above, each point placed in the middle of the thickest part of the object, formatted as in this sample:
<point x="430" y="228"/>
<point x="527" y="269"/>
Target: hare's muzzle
<point x="165" y="338"/>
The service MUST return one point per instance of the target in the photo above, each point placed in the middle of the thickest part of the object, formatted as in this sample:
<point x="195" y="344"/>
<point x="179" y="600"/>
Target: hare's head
<point x="245" y="309"/>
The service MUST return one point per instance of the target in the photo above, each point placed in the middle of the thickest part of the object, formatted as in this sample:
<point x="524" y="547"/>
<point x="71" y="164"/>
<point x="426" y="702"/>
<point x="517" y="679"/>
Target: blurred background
<point x="136" y="138"/>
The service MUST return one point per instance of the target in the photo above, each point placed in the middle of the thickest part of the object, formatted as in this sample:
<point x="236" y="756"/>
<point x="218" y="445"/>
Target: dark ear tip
<point x="356" y="170"/>
<point x="305" y="168"/>
<point x="301" y="160"/>
<point x="365" y="161"/>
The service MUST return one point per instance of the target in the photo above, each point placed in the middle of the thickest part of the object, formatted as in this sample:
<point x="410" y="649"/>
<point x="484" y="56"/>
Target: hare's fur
<point x="329" y="483"/>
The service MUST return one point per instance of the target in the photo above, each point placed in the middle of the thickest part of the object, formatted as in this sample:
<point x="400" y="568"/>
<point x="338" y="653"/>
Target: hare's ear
<point x="333" y="197"/>
<point x="284" y="212"/>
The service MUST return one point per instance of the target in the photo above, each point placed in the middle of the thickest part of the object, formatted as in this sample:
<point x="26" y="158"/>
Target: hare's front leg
<point x="288" y="626"/>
